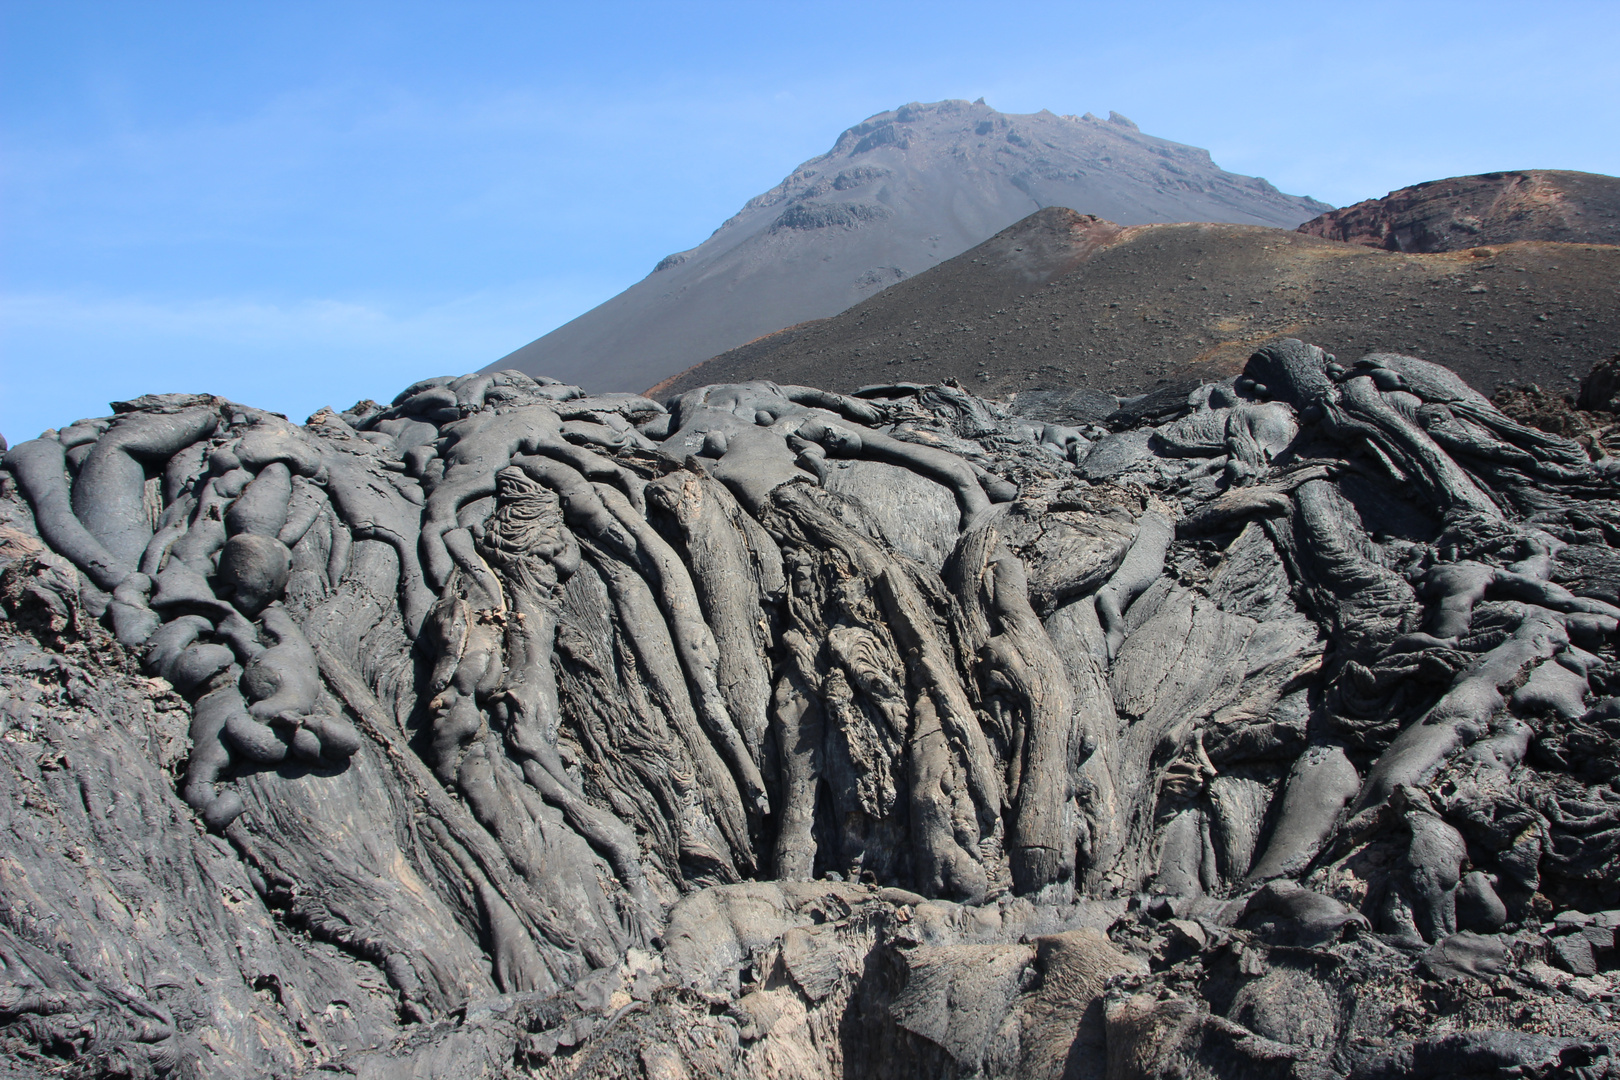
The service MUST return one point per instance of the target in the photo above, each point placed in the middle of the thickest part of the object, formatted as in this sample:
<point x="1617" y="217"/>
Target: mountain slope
<point x="1066" y="299"/>
<point x="897" y="194"/>
<point x="1492" y="208"/>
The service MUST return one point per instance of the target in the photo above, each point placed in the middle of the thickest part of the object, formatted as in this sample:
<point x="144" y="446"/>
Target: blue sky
<point x="301" y="204"/>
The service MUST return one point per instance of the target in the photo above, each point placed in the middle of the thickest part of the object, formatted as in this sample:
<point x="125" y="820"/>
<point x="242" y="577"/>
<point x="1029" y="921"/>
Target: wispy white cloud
<point x="329" y="202"/>
<point x="66" y="356"/>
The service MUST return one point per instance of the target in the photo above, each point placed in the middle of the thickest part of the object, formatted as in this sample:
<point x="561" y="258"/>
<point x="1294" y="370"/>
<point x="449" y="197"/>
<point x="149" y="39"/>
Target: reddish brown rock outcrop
<point x="1063" y="299"/>
<point x="1471" y="211"/>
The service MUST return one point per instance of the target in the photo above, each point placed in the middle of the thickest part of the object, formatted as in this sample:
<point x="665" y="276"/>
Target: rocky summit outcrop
<point x="1264" y="731"/>
<point x="898" y="193"/>
<point x="1063" y="299"/>
<point x="1471" y="211"/>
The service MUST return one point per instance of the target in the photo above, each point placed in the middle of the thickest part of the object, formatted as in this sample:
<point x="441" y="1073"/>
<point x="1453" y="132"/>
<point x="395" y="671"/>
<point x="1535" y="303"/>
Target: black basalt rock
<point x="509" y="730"/>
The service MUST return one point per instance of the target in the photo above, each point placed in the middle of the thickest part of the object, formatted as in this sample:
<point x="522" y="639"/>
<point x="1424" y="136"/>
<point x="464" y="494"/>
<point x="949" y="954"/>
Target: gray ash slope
<point x="897" y="194"/>
<point x="1061" y="298"/>
<point x="508" y="730"/>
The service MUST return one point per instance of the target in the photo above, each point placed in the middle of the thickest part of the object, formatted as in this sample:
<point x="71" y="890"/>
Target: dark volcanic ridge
<point x="1064" y="299"/>
<point x="896" y="195"/>
<point x="1492" y="208"/>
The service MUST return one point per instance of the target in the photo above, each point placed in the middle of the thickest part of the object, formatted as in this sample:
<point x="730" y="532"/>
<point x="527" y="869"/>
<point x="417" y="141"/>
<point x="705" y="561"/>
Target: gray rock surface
<point x="508" y="730"/>
<point x="897" y="194"/>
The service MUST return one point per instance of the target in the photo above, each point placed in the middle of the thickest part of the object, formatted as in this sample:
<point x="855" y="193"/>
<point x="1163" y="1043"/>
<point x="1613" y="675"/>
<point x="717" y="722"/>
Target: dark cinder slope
<point x="896" y="195"/>
<point x="1066" y="299"/>
<point x="1492" y="208"/>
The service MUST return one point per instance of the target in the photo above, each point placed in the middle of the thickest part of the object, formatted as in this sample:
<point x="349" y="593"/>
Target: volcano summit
<point x="897" y="194"/>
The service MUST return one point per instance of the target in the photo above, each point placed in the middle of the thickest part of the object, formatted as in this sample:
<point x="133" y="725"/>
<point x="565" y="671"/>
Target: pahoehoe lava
<point x="774" y="731"/>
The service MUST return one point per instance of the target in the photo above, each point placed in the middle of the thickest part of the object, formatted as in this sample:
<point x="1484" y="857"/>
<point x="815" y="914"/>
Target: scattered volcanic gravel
<point x="1065" y="299"/>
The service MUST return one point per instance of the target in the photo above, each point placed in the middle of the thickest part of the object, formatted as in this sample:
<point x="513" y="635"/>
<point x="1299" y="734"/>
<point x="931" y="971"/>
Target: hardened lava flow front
<point x="777" y="732"/>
